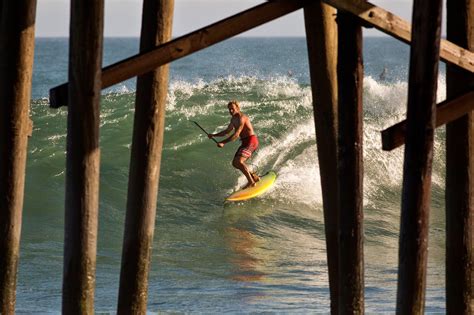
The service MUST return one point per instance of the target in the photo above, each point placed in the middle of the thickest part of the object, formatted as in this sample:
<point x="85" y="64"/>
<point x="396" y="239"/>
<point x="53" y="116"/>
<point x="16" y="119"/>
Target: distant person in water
<point x="242" y="127"/>
<point x="383" y="74"/>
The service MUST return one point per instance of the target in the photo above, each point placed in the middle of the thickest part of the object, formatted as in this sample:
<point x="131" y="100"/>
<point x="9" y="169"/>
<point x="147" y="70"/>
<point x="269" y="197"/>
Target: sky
<point x="122" y="17"/>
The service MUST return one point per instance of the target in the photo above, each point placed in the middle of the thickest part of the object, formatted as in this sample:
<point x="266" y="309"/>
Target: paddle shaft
<point x="205" y="131"/>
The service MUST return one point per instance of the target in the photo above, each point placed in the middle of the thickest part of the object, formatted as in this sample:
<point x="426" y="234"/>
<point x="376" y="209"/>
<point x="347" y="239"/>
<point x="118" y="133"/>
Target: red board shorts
<point x="248" y="146"/>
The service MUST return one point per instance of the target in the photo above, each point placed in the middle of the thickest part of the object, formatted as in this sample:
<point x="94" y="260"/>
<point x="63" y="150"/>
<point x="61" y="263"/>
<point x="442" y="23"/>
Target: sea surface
<point x="264" y="255"/>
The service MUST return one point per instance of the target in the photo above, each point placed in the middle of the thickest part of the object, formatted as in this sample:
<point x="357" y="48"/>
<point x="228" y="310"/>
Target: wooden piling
<point x="83" y="156"/>
<point x="152" y="89"/>
<point x="460" y="171"/>
<point x="421" y="112"/>
<point x="17" y="34"/>
<point x="321" y="38"/>
<point x="350" y="165"/>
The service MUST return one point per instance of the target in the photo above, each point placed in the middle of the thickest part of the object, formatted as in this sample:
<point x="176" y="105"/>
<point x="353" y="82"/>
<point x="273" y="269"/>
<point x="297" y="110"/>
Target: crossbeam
<point x="246" y="20"/>
<point x="212" y="34"/>
<point x="446" y="111"/>
<point x="185" y="45"/>
<point x="396" y="27"/>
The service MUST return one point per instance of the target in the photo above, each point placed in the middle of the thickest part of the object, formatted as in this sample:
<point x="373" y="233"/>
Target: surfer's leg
<point x="239" y="163"/>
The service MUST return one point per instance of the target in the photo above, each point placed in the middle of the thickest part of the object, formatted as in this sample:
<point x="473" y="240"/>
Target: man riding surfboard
<point x="243" y="128"/>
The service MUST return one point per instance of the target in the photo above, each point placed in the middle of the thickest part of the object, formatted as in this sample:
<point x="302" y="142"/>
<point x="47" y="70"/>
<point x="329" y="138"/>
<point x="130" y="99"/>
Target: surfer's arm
<point x="236" y="134"/>
<point x="223" y="132"/>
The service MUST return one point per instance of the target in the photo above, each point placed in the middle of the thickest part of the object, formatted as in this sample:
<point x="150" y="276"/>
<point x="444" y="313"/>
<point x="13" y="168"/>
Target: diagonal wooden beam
<point x="186" y="45"/>
<point x="446" y="112"/>
<point x="397" y="27"/>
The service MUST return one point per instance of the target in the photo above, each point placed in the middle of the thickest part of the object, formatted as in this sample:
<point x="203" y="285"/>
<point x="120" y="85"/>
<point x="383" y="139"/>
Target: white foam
<point x="176" y="147"/>
<point x="299" y="179"/>
<point x="282" y="104"/>
<point x="384" y="100"/>
<point x="280" y="149"/>
<point x="280" y="91"/>
<point x="298" y="176"/>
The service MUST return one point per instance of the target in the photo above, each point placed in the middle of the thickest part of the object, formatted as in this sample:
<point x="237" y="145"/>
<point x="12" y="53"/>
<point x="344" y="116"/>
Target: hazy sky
<point x="122" y="17"/>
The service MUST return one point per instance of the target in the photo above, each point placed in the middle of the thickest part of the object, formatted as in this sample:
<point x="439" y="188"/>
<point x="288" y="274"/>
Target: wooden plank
<point x="459" y="171"/>
<point x="446" y="111"/>
<point x="421" y="115"/>
<point x="321" y="38"/>
<point x="186" y="45"/>
<point x="350" y="165"/>
<point x="396" y="27"/>
<point x="17" y="32"/>
<point x="148" y="129"/>
<point x="83" y="156"/>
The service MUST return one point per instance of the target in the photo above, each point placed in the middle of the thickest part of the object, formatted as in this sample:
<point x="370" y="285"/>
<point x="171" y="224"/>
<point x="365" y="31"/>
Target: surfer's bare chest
<point x="237" y="121"/>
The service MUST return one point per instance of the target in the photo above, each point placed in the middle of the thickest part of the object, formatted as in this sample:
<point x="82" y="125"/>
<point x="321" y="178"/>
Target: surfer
<point x="242" y="127"/>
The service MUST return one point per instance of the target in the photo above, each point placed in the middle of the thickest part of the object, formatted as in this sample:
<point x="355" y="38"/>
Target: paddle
<point x="204" y="131"/>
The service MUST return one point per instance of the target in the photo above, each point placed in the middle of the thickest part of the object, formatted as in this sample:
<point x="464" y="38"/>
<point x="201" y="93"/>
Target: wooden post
<point x="350" y="165"/>
<point x="421" y="112"/>
<point x="460" y="171"/>
<point x="321" y="37"/>
<point x="152" y="89"/>
<point x="83" y="156"/>
<point x="17" y="34"/>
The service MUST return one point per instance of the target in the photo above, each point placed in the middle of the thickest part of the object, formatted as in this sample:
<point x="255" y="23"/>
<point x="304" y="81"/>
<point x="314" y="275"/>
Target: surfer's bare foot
<point x="249" y="185"/>
<point x="255" y="177"/>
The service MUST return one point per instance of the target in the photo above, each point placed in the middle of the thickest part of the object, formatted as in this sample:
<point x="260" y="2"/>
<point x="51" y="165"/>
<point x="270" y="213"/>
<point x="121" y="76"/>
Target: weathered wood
<point x="350" y="165"/>
<point x="321" y="38"/>
<point x="186" y="45"/>
<point x="395" y="26"/>
<point x="83" y="156"/>
<point x="17" y="32"/>
<point x="145" y="162"/>
<point x="421" y="114"/>
<point x="446" y="111"/>
<point x="460" y="171"/>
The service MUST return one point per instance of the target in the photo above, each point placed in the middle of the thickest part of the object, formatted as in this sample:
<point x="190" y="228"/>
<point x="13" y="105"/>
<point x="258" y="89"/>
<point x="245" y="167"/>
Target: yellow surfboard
<point x="266" y="181"/>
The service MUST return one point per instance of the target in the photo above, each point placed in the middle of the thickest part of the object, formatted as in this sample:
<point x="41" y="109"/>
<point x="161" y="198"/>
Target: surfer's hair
<point x="234" y="103"/>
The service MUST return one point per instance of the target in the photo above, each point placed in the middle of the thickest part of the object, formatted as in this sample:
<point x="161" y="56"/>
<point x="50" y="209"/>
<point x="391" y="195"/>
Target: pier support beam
<point x="321" y="36"/>
<point x="460" y="170"/>
<point x="421" y="116"/>
<point x="83" y="156"/>
<point x="350" y="165"/>
<point x="152" y="89"/>
<point x="17" y="35"/>
<point x="446" y="111"/>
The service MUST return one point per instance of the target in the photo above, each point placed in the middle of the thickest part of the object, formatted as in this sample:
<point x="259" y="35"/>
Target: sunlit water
<point x="267" y="254"/>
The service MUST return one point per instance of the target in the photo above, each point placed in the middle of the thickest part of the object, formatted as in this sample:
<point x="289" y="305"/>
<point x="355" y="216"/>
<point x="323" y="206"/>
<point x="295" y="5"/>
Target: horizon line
<point x="250" y="36"/>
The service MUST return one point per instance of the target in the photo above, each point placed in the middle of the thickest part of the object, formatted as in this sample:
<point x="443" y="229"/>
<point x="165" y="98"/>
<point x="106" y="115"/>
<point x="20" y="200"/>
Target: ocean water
<point x="264" y="255"/>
